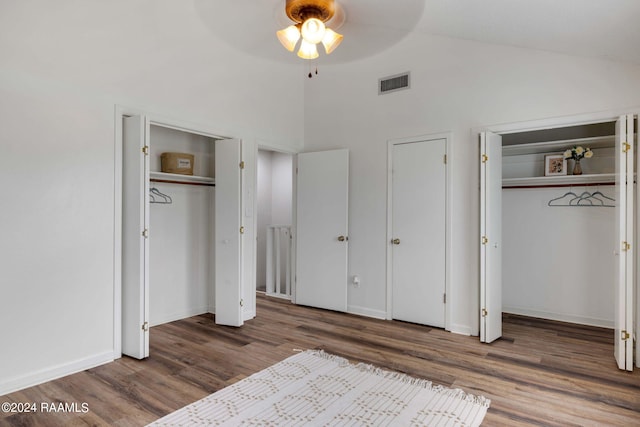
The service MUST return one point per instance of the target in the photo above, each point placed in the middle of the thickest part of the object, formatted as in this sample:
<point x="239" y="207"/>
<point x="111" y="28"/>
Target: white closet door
<point x="135" y="243"/>
<point x="490" y="237"/>
<point x="623" y="339"/>
<point x="418" y="232"/>
<point x="322" y="239"/>
<point x="228" y="233"/>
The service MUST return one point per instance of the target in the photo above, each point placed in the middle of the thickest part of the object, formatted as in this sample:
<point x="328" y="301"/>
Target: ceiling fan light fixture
<point x="307" y="50"/>
<point x="313" y="30"/>
<point x="289" y="37"/>
<point x="309" y="17"/>
<point x="331" y="40"/>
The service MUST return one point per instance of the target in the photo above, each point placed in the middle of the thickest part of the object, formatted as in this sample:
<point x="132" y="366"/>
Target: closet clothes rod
<point x="586" y="184"/>
<point x="168" y="181"/>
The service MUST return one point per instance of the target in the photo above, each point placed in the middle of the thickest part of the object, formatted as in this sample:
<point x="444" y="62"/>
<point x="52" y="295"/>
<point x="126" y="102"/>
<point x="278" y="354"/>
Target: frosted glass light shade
<point x="307" y="50"/>
<point x="313" y="30"/>
<point x="289" y="37"/>
<point x="331" y="40"/>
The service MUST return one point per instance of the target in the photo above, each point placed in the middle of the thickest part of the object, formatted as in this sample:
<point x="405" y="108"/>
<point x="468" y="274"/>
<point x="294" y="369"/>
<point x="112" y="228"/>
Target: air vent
<point x="393" y="83"/>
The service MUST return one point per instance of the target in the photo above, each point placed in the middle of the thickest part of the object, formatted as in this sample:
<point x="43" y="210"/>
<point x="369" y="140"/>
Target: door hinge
<point x="485" y="313"/>
<point x="445" y="159"/>
<point x="145" y="326"/>
<point x="145" y="150"/>
<point x="626" y="246"/>
<point x="625" y="147"/>
<point x="444" y="297"/>
<point x="145" y="233"/>
<point x="485" y="158"/>
<point x="624" y="335"/>
<point x="242" y="164"/>
<point x="485" y="240"/>
<point x="242" y="230"/>
<point x="241" y="303"/>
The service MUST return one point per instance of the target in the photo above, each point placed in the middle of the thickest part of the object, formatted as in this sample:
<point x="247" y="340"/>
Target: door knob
<point x="396" y="241"/>
<point x="342" y="238"/>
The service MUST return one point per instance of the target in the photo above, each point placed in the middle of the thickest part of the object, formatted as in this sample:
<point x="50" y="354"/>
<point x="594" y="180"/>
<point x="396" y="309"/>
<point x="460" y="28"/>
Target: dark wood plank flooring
<point x="540" y="373"/>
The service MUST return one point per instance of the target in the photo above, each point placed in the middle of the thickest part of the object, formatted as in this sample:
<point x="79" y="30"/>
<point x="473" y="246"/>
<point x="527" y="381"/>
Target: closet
<point x="563" y="247"/>
<point x="558" y="229"/>
<point x="172" y="266"/>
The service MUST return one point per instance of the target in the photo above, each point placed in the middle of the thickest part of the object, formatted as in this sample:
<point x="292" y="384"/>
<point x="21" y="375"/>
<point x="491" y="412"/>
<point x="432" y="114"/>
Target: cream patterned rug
<point x="314" y="388"/>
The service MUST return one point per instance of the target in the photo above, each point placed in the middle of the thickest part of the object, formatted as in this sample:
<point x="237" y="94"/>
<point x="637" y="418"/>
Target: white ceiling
<point x="607" y="29"/>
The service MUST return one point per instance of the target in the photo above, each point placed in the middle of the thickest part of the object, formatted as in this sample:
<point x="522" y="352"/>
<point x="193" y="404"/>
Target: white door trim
<point x="448" y="137"/>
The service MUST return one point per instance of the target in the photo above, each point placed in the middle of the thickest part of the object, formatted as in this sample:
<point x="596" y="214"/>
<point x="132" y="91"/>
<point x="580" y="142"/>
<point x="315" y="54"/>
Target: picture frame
<point x="555" y="164"/>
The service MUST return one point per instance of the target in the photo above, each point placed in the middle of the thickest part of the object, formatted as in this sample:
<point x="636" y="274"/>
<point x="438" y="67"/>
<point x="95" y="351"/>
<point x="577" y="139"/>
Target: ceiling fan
<point x="309" y="27"/>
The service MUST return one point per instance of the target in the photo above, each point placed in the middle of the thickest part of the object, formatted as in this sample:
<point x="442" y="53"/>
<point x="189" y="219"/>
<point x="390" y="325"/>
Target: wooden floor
<point x="540" y="373"/>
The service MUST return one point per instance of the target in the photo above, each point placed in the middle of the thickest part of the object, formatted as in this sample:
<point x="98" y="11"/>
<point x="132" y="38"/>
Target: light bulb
<point x="289" y="37"/>
<point x="331" y="40"/>
<point x="307" y="50"/>
<point x="313" y="30"/>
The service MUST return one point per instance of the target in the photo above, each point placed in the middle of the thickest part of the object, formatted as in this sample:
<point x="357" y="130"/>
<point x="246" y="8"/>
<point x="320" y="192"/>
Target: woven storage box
<point x="181" y="163"/>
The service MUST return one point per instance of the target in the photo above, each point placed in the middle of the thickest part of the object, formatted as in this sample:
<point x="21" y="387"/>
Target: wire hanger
<point x="585" y="199"/>
<point x="163" y="199"/>
<point x="559" y="199"/>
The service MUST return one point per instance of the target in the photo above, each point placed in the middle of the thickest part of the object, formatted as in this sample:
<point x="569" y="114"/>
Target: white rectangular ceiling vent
<point x="394" y="83"/>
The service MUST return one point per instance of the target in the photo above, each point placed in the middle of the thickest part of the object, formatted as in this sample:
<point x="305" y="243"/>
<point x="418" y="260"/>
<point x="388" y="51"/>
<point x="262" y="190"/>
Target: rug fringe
<point x="399" y="376"/>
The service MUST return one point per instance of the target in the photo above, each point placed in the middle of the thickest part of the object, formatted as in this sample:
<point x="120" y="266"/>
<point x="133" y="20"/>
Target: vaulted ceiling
<point x="606" y="29"/>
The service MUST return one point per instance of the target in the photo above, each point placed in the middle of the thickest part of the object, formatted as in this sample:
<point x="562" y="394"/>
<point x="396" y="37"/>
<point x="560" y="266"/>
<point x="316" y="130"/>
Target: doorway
<point x="274" y="210"/>
<point x="185" y="209"/>
<point x="560" y="229"/>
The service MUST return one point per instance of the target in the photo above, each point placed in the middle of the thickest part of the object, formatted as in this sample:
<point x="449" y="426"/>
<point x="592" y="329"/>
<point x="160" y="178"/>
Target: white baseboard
<point x="367" y="312"/>
<point x="460" y="330"/>
<point x="172" y="317"/>
<point x="561" y="317"/>
<point x="48" y="374"/>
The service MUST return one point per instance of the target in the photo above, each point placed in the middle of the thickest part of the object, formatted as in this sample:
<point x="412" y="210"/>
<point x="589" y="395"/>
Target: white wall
<point x="282" y="193"/>
<point x="65" y="67"/>
<point x="558" y="262"/>
<point x="264" y="208"/>
<point x="456" y="86"/>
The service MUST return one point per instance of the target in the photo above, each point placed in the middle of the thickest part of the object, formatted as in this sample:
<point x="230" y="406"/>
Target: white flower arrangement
<point x="577" y="152"/>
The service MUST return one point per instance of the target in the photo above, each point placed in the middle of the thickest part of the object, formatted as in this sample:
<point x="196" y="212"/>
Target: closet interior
<point x="559" y="228"/>
<point x="181" y="227"/>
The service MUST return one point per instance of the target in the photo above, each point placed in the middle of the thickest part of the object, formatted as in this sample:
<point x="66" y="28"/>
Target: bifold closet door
<point x="228" y="232"/>
<point x="135" y="243"/>
<point x="490" y="237"/>
<point x="625" y="148"/>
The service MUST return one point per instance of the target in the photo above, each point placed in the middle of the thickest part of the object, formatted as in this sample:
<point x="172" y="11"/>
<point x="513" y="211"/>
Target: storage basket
<point x="181" y="163"/>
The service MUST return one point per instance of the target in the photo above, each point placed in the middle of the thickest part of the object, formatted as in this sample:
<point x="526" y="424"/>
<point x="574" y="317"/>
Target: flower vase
<point x="577" y="169"/>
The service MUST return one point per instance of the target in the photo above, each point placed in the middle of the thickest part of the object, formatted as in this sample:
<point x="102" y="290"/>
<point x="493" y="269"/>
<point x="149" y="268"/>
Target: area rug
<point x="313" y="388"/>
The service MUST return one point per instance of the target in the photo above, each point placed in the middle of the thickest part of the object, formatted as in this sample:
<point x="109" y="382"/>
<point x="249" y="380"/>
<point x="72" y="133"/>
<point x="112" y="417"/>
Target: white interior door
<point x="418" y="232"/>
<point x="321" y="226"/>
<point x="490" y="237"/>
<point x="228" y="233"/>
<point x="135" y="243"/>
<point x="623" y="347"/>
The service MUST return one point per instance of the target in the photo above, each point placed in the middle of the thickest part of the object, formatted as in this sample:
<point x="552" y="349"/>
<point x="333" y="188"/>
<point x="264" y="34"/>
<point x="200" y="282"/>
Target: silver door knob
<point x="342" y="238"/>
<point x="396" y="241"/>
